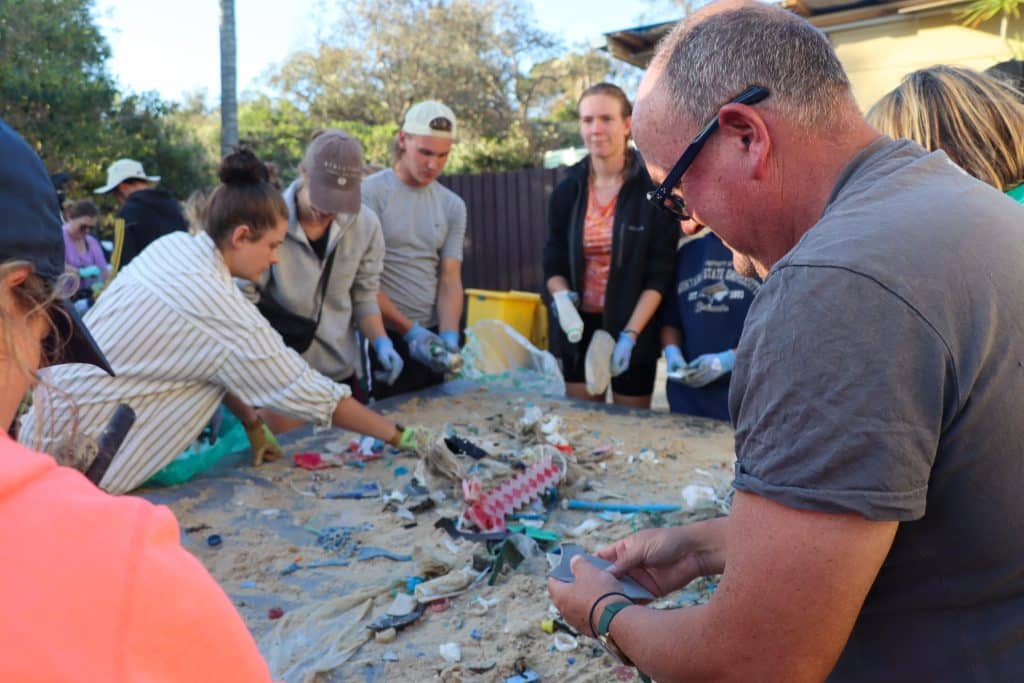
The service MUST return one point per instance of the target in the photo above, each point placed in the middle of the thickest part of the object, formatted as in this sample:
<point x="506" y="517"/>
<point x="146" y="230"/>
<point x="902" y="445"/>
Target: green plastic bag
<point x="201" y="456"/>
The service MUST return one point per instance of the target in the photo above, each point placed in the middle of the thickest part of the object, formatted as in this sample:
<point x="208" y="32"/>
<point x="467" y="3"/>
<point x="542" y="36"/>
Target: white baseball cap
<point x="122" y="170"/>
<point x="430" y="117"/>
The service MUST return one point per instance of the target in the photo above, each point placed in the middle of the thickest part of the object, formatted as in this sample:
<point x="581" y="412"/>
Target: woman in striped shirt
<point x="180" y="335"/>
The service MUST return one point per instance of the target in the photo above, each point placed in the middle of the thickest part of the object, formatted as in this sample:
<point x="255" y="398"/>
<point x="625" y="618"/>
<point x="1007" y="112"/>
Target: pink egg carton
<point x="488" y="513"/>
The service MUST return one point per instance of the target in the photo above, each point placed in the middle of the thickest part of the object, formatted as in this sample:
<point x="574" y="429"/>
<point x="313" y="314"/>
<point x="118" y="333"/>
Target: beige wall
<point x="877" y="57"/>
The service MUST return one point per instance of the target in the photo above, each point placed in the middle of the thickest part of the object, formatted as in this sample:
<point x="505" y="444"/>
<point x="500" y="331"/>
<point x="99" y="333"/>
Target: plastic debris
<point x="358" y="491"/>
<point x="213" y="540"/>
<point x="388" y="635"/>
<point x="696" y="495"/>
<point x="317" y="461"/>
<point x="370" y="552"/>
<point x="448" y="526"/>
<point x="488" y="512"/>
<point x="403" y="604"/>
<point x="390" y="656"/>
<point x="547" y="625"/>
<point x="478" y="606"/>
<point x="451" y="652"/>
<point x="296" y="566"/>
<point x="565" y="643"/>
<point x="459" y="446"/>
<point x="398" y="623"/>
<point x="440" y="605"/>
<point x="527" y="676"/>
<point x="447" y="586"/>
<point x="574" y="504"/>
<point x="275" y="613"/>
<point x="476" y="634"/>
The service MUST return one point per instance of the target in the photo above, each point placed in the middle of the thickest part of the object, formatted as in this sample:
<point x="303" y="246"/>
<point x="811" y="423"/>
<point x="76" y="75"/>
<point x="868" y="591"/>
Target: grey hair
<point x="714" y="58"/>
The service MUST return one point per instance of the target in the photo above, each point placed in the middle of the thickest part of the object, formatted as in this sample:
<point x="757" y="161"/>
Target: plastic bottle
<point x="568" y="316"/>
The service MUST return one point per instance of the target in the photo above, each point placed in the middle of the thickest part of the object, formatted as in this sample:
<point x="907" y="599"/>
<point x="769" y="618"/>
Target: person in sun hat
<point x="424" y="224"/>
<point x="148" y="212"/>
<point x="93" y="583"/>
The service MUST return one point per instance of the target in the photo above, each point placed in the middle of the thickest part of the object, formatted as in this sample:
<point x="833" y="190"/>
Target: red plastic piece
<point x="488" y="512"/>
<point x="275" y="613"/>
<point x="310" y="461"/>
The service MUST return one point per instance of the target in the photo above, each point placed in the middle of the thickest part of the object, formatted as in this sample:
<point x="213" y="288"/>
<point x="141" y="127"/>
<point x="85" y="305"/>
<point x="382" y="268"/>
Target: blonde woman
<point x="96" y="588"/>
<point x="975" y="118"/>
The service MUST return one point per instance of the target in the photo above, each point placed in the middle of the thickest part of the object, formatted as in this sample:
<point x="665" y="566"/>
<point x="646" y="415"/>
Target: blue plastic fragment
<point x="401" y="471"/>
<point x="475" y="634"/>
<point x="528" y="676"/>
<point x="572" y="660"/>
<point x="367" y="552"/>
<point x="247" y="584"/>
<point x="213" y="540"/>
<point x="412" y="582"/>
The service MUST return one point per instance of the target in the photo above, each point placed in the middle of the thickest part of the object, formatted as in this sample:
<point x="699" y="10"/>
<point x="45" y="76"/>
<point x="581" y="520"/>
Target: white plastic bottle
<point x="568" y="317"/>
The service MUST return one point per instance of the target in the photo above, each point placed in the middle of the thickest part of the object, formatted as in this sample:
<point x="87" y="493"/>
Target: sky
<point x="173" y="47"/>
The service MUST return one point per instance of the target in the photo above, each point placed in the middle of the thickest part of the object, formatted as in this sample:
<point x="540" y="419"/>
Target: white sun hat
<point x="122" y="170"/>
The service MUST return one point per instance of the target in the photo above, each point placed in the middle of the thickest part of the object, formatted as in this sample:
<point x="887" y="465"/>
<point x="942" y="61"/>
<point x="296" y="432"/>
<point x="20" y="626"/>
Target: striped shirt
<point x="179" y="334"/>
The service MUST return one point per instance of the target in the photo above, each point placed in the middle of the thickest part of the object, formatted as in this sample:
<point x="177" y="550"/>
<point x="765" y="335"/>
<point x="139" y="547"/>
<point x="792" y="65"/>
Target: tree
<point x="982" y="10"/>
<point x="478" y="56"/>
<point x="54" y="87"/>
<point x="228" y="79"/>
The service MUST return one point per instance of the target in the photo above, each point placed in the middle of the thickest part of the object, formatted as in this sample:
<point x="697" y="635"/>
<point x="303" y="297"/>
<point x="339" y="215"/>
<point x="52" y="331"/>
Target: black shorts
<point x="637" y="380"/>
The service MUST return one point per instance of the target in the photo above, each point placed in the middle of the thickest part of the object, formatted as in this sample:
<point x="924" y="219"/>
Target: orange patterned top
<point x="597" y="251"/>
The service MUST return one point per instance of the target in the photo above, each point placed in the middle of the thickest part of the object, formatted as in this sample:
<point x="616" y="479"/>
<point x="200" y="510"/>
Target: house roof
<point x="636" y="45"/>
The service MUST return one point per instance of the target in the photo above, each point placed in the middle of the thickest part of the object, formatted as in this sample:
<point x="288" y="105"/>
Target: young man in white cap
<point x="329" y="266"/>
<point x="148" y="213"/>
<point x="424" y="225"/>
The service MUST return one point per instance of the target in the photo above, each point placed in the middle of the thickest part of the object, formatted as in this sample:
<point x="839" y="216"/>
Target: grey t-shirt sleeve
<point x="837" y="396"/>
<point x="453" y="241"/>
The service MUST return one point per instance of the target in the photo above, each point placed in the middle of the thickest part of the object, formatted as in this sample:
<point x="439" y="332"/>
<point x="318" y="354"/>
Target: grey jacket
<point x="351" y="290"/>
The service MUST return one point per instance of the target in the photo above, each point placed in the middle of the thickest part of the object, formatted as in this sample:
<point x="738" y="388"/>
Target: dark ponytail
<point x="245" y="197"/>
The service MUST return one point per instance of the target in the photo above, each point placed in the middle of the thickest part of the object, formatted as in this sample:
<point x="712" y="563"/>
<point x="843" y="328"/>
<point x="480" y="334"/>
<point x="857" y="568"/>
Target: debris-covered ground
<point x="314" y="558"/>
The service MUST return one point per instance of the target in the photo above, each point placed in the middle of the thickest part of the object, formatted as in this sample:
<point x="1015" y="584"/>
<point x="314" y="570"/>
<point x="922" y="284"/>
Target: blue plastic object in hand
<point x="621" y="354"/>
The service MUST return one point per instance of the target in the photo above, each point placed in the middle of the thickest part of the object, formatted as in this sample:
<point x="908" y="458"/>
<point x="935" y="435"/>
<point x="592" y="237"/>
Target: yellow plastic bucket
<point x="523" y="311"/>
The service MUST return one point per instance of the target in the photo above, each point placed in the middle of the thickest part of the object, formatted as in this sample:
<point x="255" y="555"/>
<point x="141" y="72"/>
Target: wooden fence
<point x="506" y="227"/>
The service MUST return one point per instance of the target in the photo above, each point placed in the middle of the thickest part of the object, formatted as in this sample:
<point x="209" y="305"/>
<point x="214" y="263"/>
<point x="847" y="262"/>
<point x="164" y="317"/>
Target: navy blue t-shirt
<point x="708" y="304"/>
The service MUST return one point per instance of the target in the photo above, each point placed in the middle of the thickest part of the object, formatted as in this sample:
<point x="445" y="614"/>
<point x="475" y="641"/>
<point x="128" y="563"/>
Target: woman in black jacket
<point x="614" y="249"/>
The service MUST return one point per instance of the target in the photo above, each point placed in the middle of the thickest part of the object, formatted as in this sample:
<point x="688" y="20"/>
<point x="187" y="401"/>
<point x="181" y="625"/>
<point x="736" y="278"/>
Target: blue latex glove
<point x="709" y="367"/>
<point x="424" y="346"/>
<point x="620" y="356"/>
<point x="416" y="333"/>
<point x="451" y="340"/>
<point x="674" y="361"/>
<point x="389" y="360"/>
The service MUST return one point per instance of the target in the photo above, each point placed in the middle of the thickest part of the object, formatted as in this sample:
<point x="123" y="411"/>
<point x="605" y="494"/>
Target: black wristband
<point x="590" y="617"/>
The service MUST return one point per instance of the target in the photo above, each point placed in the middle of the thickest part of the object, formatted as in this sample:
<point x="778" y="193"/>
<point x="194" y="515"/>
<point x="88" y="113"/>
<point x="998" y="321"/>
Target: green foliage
<point x="486" y="59"/>
<point x="981" y="11"/>
<point x="56" y="92"/>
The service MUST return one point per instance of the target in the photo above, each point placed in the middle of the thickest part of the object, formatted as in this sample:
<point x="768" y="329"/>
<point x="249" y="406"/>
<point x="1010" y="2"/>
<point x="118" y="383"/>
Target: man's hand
<point x="451" y="340"/>
<point x="262" y="442"/>
<point x="575" y="600"/>
<point x="709" y="367"/>
<point x="665" y="560"/>
<point x="621" y="354"/>
<point x="389" y="360"/>
<point x="421" y="343"/>
<point x="674" y="361"/>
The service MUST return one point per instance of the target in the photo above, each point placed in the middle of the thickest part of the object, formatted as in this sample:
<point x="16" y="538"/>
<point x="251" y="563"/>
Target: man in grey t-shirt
<point x="424" y="225"/>
<point x="877" y="530"/>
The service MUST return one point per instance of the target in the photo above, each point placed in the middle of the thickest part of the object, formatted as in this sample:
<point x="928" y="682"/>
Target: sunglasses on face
<point x="662" y="197"/>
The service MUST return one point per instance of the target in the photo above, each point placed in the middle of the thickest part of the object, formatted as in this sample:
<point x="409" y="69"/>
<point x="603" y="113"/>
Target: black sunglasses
<point x="663" y="197"/>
